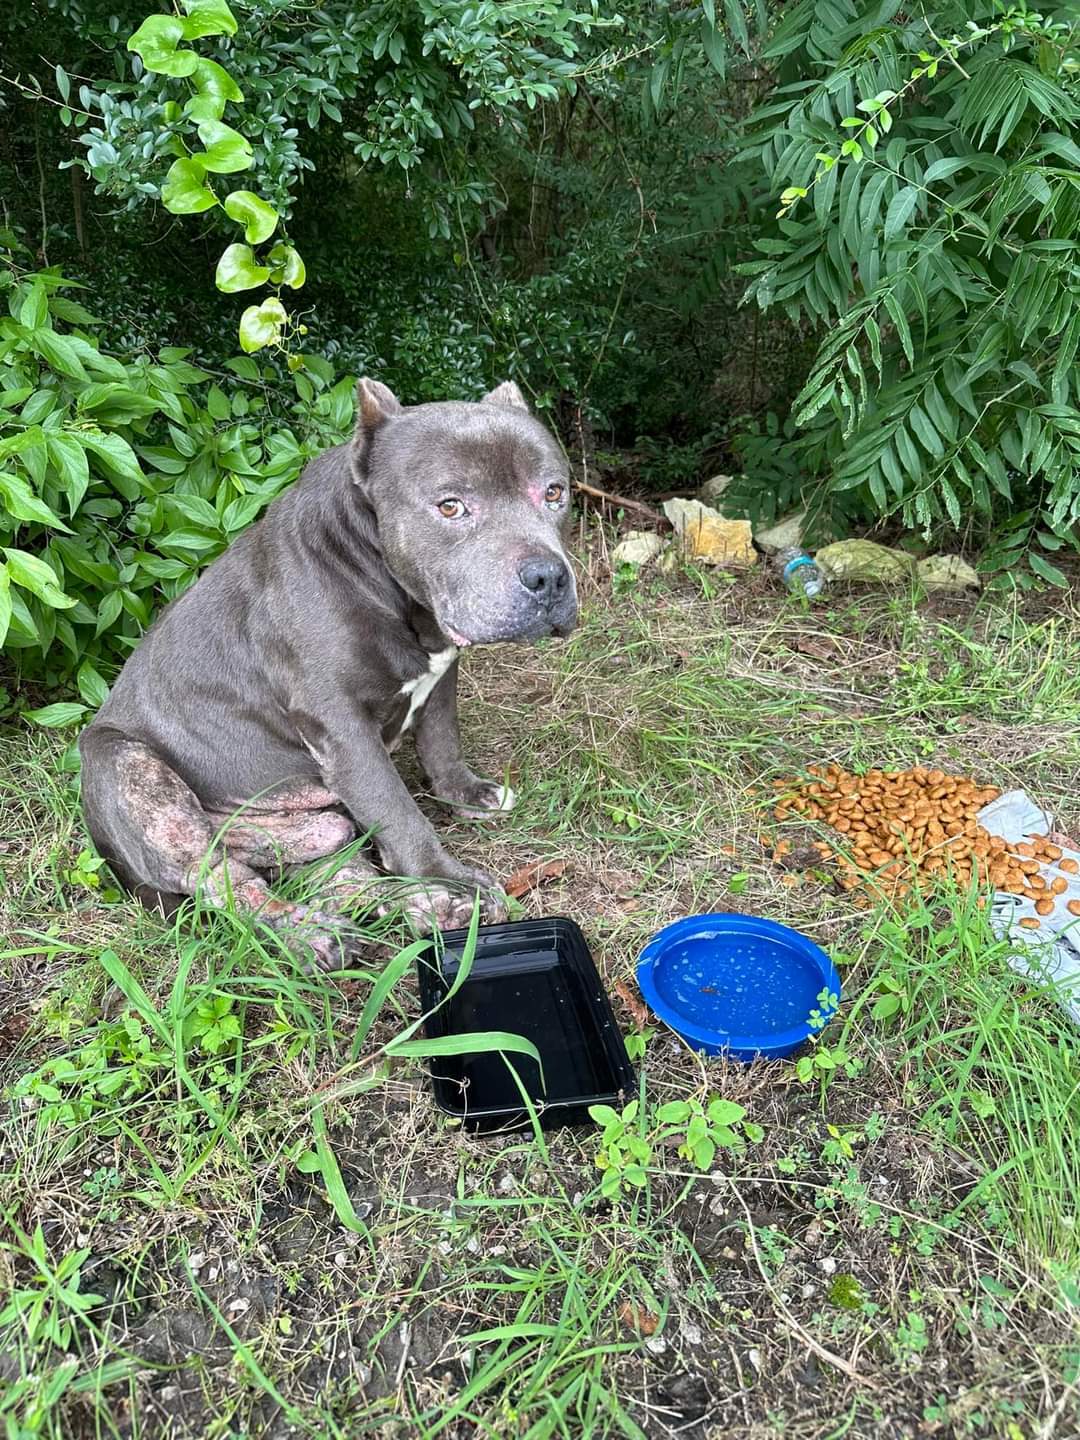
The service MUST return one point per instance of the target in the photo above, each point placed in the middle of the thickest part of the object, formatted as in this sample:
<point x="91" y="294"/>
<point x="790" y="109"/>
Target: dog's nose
<point x="545" y="577"/>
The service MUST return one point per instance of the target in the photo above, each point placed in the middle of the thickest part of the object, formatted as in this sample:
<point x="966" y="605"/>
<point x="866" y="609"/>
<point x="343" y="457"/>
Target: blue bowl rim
<point x="747" y="924"/>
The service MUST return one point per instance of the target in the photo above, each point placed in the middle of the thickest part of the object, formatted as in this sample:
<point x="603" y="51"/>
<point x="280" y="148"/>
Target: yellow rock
<point x="707" y="537"/>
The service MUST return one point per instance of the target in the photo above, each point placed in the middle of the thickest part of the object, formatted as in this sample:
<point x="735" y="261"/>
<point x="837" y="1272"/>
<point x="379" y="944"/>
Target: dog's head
<point x="471" y="501"/>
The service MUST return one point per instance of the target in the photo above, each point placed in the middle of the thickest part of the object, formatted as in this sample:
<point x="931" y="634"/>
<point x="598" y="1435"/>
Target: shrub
<point x="121" y="479"/>
<point x="928" y="180"/>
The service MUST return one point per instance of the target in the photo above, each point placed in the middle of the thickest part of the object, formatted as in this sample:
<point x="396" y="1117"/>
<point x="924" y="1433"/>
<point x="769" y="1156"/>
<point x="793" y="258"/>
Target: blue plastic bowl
<point x="737" y="985"/>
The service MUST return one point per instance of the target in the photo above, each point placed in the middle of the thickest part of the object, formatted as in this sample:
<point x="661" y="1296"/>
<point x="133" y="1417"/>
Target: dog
<point x="252" y="728"/>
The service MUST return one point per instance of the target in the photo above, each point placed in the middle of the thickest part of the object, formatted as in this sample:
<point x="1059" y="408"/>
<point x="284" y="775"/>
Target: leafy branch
<point x="878" y="120"/>
<point x="187" y="188"/>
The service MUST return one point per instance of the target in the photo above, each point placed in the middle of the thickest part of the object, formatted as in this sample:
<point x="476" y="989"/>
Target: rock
<point x="638" y="547"/>
<point x="786" y="534"/>
<point x="713" y="489"/>
<point x="947" y="572"/>
<point x="865" y="560"/>
<point x="705" y="536"/>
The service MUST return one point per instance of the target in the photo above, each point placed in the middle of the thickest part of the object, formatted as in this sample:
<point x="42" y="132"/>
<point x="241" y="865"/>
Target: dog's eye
<point x="451" y="509"/>
<point x="553" y="495"/>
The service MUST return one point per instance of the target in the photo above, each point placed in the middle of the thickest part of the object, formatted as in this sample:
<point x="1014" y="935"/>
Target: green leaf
<point x="380" y="992"/>
<point x="942" y="169"/>
<point x="5" y="605"/>
<point x="899" y="319"/>
<point x="239" y="513"/>
<point x="155" y="43"/>
<point x="257" y="217"/>
<point x="886" y="1007"/>
<point x="118" y="458"/>
<point x="238" y="270"/>
<point x="332" y="1179"/>
<point x="603" y="1114"/>
<point x="53" y="717"/>
<point x="474" y="1044"/>
<point x="920" y="423"/>
<point x="19" y="500"/>
<point x="288" y="267"/>
<point x="59" y="353"/>
<point x="704" y="1153"/>
<point x="226" y="149"/>
<point x="1046" y="571"/>
<point x="63" y="83"/>
<point x="108" y="612"/>
<point x="261" y="325"/>
<point x="208" y="17"/>
<point x="212" y="81"/>
<point x="185" y="191"/>
<point x="69" y="460"/>
<point x="33" y="574"/>
<point x="725" y="1112"/>
<point x="674" y="1112"/>
<point x="34" y="311"/>
<point x="92" y="686"/>
<point x="899" y="211"/>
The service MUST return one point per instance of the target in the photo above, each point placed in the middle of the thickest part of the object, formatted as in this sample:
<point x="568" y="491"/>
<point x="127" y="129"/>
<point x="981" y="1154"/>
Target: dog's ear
<point x="506" y="394"/>
<point x="376" y="403"/>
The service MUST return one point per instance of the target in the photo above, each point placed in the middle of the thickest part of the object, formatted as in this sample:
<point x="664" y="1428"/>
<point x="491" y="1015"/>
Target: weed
<point x="50" y="1307"/>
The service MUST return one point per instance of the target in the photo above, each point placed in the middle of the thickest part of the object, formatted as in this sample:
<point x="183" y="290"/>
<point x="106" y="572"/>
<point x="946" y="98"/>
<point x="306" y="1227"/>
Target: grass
<point x="228" y="1208"/>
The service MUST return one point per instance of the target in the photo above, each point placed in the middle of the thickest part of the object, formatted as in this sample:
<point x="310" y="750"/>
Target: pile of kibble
<point x="900" y="829"/>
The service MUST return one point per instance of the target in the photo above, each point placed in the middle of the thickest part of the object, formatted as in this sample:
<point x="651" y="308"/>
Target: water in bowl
<point x="738" y="984"/>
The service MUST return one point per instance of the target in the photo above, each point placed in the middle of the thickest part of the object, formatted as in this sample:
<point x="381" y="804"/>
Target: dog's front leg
<point x="438" y="743"/>
<point x="356" y="767"/>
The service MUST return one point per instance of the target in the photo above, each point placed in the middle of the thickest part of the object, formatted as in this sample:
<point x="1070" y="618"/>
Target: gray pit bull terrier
<point x="253" y="726"/>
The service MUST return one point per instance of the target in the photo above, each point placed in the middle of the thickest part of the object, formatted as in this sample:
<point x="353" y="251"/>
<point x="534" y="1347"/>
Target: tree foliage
<point x="928" y="175"/>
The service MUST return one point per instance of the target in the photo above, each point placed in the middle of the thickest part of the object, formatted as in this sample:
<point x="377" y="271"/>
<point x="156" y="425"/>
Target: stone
<point x="706" y="536"/>
<point x="638" y="547"/>
<point x="713" y="489"/>
<point x="947" y="573"/>
<point x="786" y="534"/>
<point x="865" y="560"/>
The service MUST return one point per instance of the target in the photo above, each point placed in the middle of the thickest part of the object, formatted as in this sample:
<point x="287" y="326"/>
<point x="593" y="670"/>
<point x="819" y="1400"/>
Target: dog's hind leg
<point x="270" y="840"/>
<point x="150" y="827"/>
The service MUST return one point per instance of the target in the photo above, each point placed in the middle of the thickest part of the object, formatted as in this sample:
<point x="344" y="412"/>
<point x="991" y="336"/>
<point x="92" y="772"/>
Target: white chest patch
<point x="419" y="689"/>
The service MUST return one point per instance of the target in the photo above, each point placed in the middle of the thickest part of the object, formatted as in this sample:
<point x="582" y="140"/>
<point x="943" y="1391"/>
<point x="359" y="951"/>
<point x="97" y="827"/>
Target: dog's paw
<point x="428" y="905"/>
<point x="480" y="799"/>
<point x="318" y="940"/>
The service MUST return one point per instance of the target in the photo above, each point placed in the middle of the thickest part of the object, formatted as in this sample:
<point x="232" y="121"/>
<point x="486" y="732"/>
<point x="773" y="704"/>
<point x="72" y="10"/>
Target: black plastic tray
<point x="534" y="978"/>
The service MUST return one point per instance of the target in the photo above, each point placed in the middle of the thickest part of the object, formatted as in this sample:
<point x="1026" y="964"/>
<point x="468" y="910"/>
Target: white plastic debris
<point x="638" y="547"/>
<point x="1050" y="954"/>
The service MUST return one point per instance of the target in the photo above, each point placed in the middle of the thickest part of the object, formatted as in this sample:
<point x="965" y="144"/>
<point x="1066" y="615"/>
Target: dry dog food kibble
<point x="1073" y="907"/>
<point x="903" y="828"/>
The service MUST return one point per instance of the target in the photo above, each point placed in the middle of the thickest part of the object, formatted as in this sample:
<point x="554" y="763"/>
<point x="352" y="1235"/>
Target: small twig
<point x="41" y="194"/>
<point x="838" y="1361"/>
<point x="405" y="1336"/>
<point x="620" y="501"/>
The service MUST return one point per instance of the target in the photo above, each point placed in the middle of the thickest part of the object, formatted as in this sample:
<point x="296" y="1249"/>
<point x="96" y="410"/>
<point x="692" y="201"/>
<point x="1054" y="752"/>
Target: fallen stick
<point x="621" y="500"/>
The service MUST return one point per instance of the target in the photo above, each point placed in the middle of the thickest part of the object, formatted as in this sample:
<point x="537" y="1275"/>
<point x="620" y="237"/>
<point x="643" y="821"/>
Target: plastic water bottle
<point x="799" y="572"/>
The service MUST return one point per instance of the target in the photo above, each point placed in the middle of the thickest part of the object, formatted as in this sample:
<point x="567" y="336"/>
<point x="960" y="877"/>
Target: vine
<point x="188" y="188"/>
